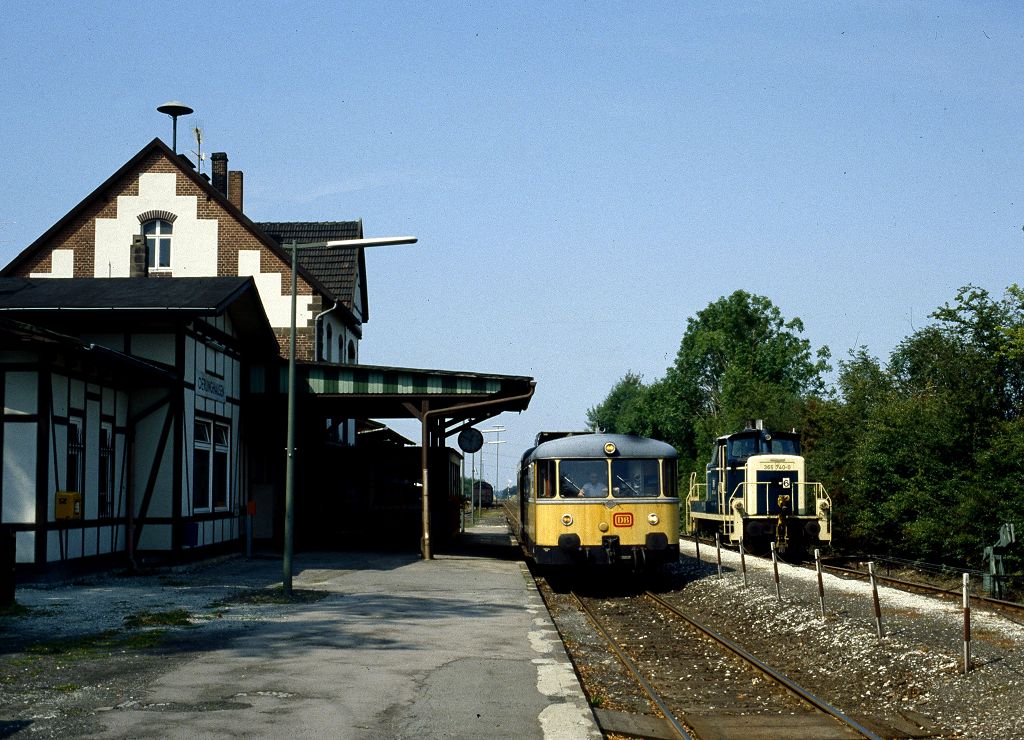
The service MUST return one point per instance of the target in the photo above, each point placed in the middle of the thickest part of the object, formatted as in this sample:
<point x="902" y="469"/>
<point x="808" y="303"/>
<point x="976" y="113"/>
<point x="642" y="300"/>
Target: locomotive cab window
<point x="635" y="478"/>
<point x="741" y="448"/>
<point x="586" y="478"/>
<point x="783" y="446"/>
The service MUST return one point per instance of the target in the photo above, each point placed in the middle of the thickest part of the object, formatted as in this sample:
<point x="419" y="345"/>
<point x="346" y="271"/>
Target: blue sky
<point x="582" y="177"/>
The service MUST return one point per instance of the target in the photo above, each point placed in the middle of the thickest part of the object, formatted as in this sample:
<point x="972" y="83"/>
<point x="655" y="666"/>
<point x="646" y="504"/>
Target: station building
<point x="143" y="340"/>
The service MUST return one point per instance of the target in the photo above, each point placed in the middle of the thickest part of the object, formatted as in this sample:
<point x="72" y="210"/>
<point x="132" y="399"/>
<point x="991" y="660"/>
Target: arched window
<point x="158" y="243"/>
<point x="341" y="348"/>
<point x="327" y="344"/>
<point x="351" y="352"/>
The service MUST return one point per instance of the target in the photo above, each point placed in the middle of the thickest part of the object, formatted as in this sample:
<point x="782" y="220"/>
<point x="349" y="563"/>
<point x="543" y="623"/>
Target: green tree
<point x="740" y="359"/>
<point x="923" y="456"/>
<point x="623" y="411"/>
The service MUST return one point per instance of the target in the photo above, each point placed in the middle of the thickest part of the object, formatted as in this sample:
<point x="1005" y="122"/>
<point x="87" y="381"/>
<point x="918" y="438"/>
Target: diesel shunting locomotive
<point x="755" y="492"/>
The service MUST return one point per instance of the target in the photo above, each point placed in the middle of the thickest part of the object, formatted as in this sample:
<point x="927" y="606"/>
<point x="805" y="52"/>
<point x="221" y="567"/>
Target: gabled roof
<point x="158" y="147"/>
<point x="335" y="268"/>
<point x="66" y="301"/>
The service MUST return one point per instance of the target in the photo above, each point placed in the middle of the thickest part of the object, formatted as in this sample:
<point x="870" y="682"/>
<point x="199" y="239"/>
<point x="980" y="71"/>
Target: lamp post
<point x="289" y="475"/>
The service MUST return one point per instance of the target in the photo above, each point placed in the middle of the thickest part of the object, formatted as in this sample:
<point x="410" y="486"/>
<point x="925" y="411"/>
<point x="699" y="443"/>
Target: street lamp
<point x="289" y="482"/>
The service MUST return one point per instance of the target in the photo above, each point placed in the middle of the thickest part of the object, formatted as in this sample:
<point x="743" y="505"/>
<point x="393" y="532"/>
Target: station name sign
<point x="212" y="387"/>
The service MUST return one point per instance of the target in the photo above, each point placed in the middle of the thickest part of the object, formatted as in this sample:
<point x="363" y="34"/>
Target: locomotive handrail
<point x="725" y="504"/>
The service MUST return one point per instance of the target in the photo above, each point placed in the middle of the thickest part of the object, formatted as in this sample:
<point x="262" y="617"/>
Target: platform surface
<point x="460" y="646"/>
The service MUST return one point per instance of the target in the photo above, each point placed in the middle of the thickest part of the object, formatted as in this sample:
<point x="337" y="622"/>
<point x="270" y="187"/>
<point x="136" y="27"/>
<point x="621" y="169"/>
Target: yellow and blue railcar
<point x="599" y="499"/>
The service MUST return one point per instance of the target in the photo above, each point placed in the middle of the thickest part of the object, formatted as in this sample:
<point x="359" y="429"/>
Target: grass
<point x="14" y="609"/>
<point x="86" y="647"/>
<point x="169" y="618"/>
<point x="274" y="595"/>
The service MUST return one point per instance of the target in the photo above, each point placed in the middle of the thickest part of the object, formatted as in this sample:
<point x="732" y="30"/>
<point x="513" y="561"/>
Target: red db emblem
<point x="624" y="519"/>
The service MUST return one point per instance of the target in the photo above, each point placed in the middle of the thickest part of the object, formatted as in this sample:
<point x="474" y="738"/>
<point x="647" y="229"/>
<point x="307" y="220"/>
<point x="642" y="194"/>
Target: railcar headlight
<point x="652" y="518"/>
<point x="603" y="526"/>
<point x="567" y="519"/>
<point x="609" y="448"/>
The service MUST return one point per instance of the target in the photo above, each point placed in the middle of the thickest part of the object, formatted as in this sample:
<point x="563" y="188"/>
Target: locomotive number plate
<point x="623" y="519"/>
<point x="779" y="466"/>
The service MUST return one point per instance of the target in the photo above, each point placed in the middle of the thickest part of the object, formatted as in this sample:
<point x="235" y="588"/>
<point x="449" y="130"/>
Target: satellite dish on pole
<point x="470" y="440"/>
<point x="174" y="109"/>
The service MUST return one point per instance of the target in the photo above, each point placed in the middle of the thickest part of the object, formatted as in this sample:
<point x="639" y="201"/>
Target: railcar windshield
<point x="587" y="478"/>
<point x="635" y="478"/>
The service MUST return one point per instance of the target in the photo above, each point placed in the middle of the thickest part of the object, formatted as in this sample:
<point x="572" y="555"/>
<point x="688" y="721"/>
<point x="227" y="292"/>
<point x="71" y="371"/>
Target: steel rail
<point x="1011" y="605"/>
<point x="907" y="585"/>
<point x="633" y="669"/>
<point x="767" y="670"/>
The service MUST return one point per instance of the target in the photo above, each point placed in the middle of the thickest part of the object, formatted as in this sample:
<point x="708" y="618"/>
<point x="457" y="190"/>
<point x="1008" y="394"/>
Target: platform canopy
<point x="444" y="401"/>
<point x="370" y="391"/>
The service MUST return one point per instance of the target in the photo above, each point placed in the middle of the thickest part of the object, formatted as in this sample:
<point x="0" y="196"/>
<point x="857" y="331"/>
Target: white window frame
<point x="163" y="230"/>
<point x="217" y="446"/>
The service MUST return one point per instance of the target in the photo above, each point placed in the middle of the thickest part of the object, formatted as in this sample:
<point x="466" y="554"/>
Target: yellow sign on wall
<point x="68" y="505"/>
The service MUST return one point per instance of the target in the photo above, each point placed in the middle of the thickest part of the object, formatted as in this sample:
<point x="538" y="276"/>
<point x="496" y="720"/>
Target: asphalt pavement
<point x="460" y="646"/>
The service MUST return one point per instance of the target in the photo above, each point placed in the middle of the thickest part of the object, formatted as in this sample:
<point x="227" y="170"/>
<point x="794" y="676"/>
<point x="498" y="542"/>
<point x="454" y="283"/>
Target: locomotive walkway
<point x="458" y="647"/>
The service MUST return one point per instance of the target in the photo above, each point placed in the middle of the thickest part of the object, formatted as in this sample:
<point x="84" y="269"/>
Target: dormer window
<point x="158" y="243"/>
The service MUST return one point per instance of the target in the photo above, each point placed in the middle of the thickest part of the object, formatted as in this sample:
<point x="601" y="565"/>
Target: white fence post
<point x="821" y="584"/>
<point x="775" y="566"/>
<point x="967" y="623"/>
<point x="743" y="563"/>
<point x="874" y="598"/>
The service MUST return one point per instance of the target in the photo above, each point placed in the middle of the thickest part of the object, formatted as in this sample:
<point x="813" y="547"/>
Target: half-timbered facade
<point x="122" y="428"/>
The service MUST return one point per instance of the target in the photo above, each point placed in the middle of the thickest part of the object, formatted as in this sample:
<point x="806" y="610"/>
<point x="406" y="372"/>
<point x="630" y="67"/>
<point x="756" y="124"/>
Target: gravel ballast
<point x="912" y="675"/>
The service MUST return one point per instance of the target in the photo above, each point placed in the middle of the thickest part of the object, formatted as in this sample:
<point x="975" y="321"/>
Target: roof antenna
<point x="174" y="109"/>
<point x="197" y="132"/>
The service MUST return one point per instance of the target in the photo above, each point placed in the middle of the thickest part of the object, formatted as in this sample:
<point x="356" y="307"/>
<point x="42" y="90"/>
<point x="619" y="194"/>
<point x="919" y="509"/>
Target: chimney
<point x="235" y="188"/>
<point x="220" y="172"/>
<point x="138" y="264"/>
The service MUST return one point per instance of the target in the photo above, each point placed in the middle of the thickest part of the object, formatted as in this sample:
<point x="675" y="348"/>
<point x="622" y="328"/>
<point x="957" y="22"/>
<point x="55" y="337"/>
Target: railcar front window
<point x="669" y="476"/>
<point x="546" y="479"/>
<point x="587" y="478"/>
<point x="635" y="478"/>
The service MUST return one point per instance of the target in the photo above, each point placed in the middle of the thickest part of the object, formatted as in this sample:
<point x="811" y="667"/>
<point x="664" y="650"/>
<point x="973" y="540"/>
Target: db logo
<point x="623" y="519"/>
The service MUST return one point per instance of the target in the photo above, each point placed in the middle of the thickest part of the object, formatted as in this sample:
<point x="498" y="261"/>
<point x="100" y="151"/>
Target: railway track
<point x="955" y="593"/>
<point x="702" y="683"/>
<point x="1007" y="607"/>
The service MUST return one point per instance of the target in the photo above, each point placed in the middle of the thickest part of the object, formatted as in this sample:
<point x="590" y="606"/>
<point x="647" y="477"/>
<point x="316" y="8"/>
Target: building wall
<point x="207" y="241"/>
<point x="156" y="478"/>
<point x="212" y="391"/>
<point x="39" y="407"/>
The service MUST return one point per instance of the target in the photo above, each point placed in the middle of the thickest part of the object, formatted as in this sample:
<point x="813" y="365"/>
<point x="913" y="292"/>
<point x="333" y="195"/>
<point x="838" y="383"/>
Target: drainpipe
<point x="316" y="331"/>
